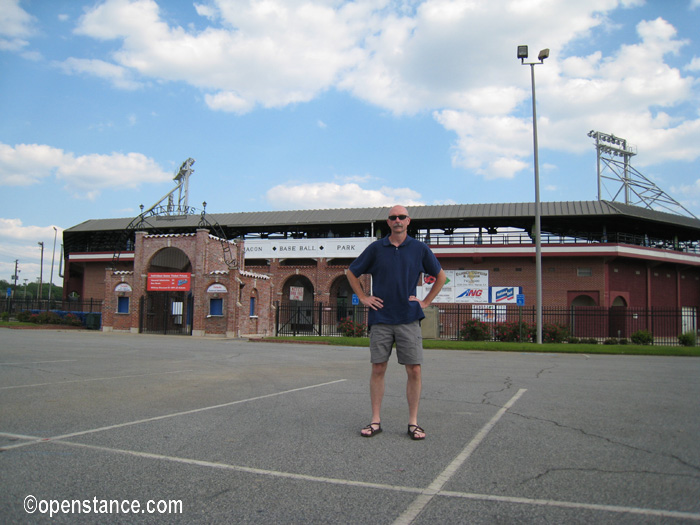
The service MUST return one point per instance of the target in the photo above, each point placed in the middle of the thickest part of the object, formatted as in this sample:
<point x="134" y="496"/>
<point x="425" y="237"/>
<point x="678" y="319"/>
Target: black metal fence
<point x="14" y="306"/>
<point x="501" y="321"/>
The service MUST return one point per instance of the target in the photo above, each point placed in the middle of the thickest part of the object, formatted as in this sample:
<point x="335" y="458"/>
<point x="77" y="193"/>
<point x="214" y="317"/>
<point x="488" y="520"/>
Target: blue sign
<point x="520" y="299"/>
<point x="9" y="292"/>
<point x="355" y="299"/>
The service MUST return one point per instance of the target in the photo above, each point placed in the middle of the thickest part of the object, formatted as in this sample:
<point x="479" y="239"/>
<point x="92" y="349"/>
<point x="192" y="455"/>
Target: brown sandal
<point x="372" y="430"/>
<point x="412" y="433"/>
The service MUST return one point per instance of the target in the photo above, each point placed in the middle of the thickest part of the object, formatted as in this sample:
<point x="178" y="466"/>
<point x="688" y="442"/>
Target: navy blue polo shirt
<point x="395" y="272"/>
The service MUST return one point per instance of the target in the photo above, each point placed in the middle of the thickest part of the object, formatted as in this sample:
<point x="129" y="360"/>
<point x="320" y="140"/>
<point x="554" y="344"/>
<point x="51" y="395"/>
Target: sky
<point x="310" y="104"/>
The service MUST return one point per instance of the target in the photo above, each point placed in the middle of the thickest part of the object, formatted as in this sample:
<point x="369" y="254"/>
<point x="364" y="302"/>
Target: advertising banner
<point x="505" y="294"/>
<point x="168" y="282"/>
<point x="489" y="313"/>
<point x="471" y="286"/>
<point x="346" y="247"/>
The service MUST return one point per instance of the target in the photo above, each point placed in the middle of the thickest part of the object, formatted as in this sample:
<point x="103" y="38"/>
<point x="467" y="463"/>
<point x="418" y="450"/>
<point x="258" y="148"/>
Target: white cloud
<point x="15" y="26"/>
<point x="85" y="176"/>
<point x="20" y="242"/>
<point x="207" y="11"/>
<point x="279" y="53"/>
<point x="119" y="76"/>
<point x="27" y="164"/>
<point x="694" y="64"/>
<point x="331" y="195"/>
<point x="16" y="230"/>
<point x="454" y="59"/>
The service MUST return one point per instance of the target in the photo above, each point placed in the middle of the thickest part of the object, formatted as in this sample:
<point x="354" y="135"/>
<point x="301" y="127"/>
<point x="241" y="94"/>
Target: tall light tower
<point x="626" y="183"/>
<point x="522" y="55"/>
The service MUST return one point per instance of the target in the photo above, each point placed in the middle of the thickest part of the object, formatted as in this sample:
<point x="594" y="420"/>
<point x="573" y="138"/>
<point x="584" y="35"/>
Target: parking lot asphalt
<point x="114" y="427"/>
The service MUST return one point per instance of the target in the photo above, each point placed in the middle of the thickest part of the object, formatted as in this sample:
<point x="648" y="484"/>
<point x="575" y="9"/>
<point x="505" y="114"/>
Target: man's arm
<point x="440" y="280"/>
<point x="375" y="303"/>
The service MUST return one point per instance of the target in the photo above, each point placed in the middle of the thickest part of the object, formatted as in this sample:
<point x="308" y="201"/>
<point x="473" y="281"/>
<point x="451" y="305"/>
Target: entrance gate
<point x="168" y="313"/>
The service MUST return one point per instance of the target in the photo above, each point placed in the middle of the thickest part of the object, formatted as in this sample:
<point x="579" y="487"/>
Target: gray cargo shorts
<point x="408" y="339"/>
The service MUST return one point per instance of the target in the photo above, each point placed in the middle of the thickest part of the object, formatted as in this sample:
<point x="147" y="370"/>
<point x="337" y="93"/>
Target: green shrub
<point x="573" y="340"/>
<point x="554" y="333"/>
<point x="610" y="341"/>
<point x="642" y="337"/>
<point x="624" y="341"/>
<point x="24" y="316"/>
<point x="5" y="316"/>
<point x="350" y="328"/>
<point x="513" y="331"/>
<point x="46" y="318"/>
<point x="590" y="341"/>
<point x="687" y="339"/>
<point x="475" y="330"/>
<point x="71" y="320"/>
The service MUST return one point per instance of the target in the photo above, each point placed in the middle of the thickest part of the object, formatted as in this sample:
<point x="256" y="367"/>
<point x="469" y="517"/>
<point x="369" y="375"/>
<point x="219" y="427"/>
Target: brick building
<point x="594" y="253"/>
<point x="182" y="283"/>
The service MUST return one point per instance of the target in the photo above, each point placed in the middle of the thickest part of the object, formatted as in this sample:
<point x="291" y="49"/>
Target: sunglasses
<point x="400" y="217"/>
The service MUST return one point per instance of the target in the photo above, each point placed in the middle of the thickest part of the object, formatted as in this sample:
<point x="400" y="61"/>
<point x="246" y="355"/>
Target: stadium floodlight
<point x="522" y="55"/>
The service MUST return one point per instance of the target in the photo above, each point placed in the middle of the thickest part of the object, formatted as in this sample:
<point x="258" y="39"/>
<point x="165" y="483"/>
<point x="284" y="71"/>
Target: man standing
<point x="395" y="264"/>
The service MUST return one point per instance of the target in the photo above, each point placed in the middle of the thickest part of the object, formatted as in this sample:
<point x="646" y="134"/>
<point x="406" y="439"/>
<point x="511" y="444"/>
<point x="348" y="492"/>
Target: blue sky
<point x="300" y="104"/>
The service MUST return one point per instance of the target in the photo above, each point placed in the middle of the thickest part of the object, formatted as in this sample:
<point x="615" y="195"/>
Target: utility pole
<point x="15" y="277"/>
<point x="55" y="232"/>
<point x="41" y="269"/>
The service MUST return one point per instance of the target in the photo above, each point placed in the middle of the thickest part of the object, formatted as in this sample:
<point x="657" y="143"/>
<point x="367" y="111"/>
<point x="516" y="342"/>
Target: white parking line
<point x="396" y="488"/>
<point x="425" y="495"/>
<point x="91" y="379"/>
<point x="165" y="416"/>
<point x="577" y="505"/>
<point x="37" y="362"/>
<point x="435" y="487"/>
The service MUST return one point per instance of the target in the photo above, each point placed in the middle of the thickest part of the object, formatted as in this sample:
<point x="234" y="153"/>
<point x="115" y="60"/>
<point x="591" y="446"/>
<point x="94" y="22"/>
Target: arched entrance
<point x="297" y="311"/>
<point x="341" y="294"/>
<point x="586" y="319"/>
<point x="168" y="306"/>
<point x="583" y="300"/>
<point x="618" y="318"/>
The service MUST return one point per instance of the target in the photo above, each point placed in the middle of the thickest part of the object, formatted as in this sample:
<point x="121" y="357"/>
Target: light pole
<point x="41" y="270"/>
<point x="522" y="55"/>
<point x="53" y="257"/>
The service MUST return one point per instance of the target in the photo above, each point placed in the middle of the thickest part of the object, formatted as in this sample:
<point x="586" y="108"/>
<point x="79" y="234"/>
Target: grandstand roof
<point x="577" y="218"/>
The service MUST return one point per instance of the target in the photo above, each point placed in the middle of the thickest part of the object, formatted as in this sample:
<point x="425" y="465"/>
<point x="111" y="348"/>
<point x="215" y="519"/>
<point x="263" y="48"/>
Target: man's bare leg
<point x="376" y="392"/>
<point x="413" y="390"/>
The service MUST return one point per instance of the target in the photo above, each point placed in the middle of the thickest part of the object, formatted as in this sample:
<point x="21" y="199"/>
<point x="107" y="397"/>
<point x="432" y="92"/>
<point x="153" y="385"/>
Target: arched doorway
<point x="168" y="306"/>
<point x="586" y="319"/>
<point x="583" y="300"/>
<point x="341" y="295"/>
<point x="297" y="305"/>
<point x="618" y="318"/>
<point x="619" y="301"/>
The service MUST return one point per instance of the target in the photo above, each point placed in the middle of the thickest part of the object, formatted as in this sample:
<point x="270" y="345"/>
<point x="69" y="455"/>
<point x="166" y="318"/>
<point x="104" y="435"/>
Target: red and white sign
<point x="123" y="287"/>
<point x="168" y="282"/>
<point x="296" y="293"/>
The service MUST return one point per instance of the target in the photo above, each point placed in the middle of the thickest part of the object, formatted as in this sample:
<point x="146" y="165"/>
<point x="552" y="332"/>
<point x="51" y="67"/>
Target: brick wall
<point x="635" y="282"/>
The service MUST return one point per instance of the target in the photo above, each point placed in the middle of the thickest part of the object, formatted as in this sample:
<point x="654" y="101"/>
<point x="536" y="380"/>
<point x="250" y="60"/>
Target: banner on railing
<point x="469" y="287"/>
<point x="329" y="247"/>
